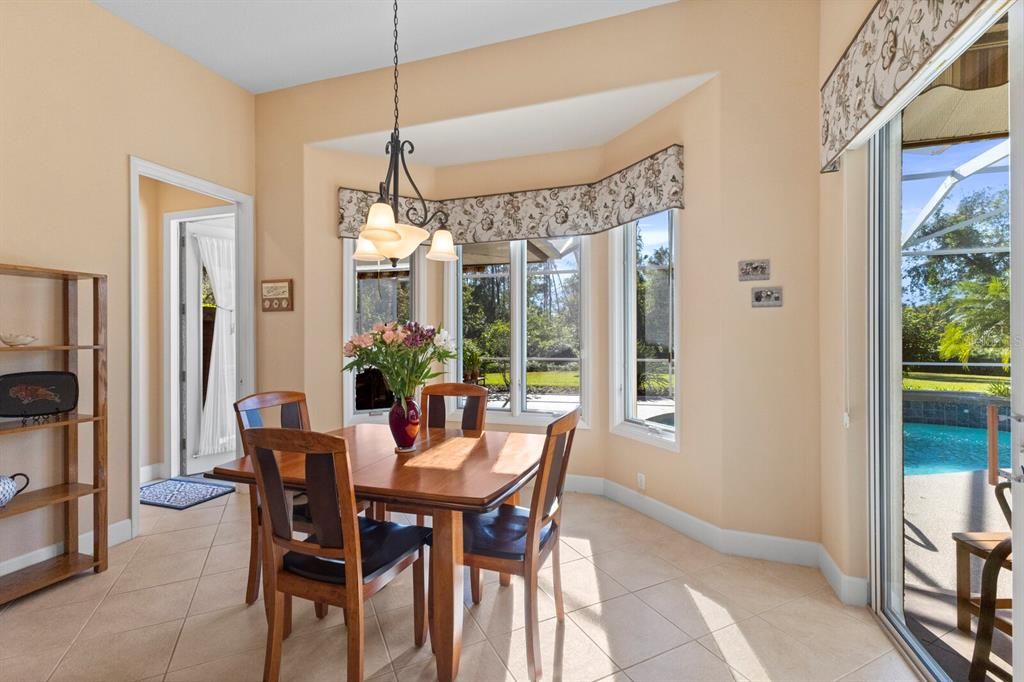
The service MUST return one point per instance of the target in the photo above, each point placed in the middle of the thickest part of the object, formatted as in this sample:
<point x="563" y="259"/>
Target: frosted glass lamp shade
<point x="380" y="224"/>
<point x="442" y="247"/>
<point x="365" y="250"/>
<point x="411" y="237"/>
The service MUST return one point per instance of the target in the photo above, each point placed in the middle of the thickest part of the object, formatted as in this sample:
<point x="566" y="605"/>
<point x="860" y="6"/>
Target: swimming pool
<point x="933" y="449"/>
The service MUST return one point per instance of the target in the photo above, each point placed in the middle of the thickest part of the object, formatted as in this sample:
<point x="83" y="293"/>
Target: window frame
<point x="517" y="414"/>
<point x="621" y="318"/>
<point x="418" y="306"/>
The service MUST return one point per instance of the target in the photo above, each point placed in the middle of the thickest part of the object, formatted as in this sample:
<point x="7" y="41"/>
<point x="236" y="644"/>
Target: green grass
<point x="555" y="379"/>
<point x="929" y="381"/>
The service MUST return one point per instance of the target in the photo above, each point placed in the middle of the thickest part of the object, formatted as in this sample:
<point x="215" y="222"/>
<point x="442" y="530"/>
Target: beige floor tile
<point x="636" y="570"/>
<point x="688" y="663"/>
<point x="119" y="555"/>
<point x="195" y="517"/>
<point x="806" y="579"/>
<point x="227" y="557"/>
<point x="479" y="663"/>
<point x="235" y="513"/>
<point x="616" y="677"/>
<point x="140" y="608"/>
<point x="595" y="538"/>
<point x="35" y="667"/>
<point x="851" y="642"/>
<point x="749" y="587"/>
<point x="86" y="586"/>
<point x="219" y="591"/>
<point x="322" y="656"/>
<point x="694" y="609"/>
<point x="210" y="636"/>
<point x="232" y="531"/>
<point x="31" y="631"/>
<point x="566" y="653"/>
<point x="583" y="584"/>
<point x="628" y="630"/>
<point x="143" y="572"/>
<point x="395" y="595"/>
<point x="175" y="542"/>
<point x="760" y="651"/>
<point x="126" y="656"/>
<point x="888" y="668"/>
<point x="243" y="667"/>
<point x="503" y="609"/>
<point x="396" y="626"/>
<point x="687" y="554"/>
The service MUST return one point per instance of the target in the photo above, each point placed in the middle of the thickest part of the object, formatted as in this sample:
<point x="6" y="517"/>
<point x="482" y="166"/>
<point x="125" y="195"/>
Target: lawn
<point x="556" y="379"/>
<point x="929" y="381"/>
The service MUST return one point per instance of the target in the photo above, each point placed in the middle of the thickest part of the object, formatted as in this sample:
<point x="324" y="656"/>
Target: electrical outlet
<point x="641" y="481"/>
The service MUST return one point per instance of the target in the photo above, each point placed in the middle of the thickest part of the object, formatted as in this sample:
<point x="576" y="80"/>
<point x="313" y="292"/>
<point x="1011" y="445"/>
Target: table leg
<point x="963" y="588"/>
<point x="446" y="570"/>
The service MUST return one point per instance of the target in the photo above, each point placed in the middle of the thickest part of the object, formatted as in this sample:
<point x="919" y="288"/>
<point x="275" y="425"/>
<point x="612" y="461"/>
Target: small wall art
<point x="276" y="295"/>
<point x="766" y="297"/>
<point x="751" y="270"/>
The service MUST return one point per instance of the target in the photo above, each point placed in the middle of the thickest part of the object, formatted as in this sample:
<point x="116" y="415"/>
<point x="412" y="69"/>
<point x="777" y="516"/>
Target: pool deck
<point x="936" y="506"/>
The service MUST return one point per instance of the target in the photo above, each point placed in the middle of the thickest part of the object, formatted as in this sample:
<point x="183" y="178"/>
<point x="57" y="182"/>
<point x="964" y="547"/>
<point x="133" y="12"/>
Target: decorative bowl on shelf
<point x="15" y="340"/>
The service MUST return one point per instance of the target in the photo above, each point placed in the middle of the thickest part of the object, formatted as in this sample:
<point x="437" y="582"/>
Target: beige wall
<point x="750" y="429"/>
<point x="155" y="200"/>
<point x="81" y="91"/>
<point x="843" y="323"/>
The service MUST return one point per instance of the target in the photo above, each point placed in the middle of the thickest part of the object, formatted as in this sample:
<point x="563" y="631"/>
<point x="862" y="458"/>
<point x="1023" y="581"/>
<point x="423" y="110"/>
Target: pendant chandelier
<point x="382" y="236"/>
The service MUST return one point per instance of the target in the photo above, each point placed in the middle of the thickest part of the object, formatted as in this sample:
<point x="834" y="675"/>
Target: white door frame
<point x="172" y="226"/>
<point x="245" y="303"/>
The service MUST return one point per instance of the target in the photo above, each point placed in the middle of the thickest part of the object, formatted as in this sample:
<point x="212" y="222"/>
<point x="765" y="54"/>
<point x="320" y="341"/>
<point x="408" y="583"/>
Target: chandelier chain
<point x="396" y="63"/>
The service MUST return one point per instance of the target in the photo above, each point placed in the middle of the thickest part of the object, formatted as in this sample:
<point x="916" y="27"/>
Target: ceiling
<point x="265" y="45"/>
<point x="553" y="126"/>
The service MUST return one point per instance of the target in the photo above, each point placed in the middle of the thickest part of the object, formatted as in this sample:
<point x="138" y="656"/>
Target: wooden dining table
<point x="449" y="472"/>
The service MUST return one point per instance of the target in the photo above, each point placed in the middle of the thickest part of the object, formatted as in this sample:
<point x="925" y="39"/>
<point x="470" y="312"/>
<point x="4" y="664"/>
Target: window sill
<point x="367" y="418"/>
<point x="666" y="440"/>
<point x="530" y="419"/>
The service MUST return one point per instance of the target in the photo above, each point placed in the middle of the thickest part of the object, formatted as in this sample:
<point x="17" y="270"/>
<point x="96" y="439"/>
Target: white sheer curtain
<point x="217" y="432"/>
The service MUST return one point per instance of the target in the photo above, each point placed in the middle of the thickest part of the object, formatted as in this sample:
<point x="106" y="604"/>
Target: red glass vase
<point x="405" y="424"/>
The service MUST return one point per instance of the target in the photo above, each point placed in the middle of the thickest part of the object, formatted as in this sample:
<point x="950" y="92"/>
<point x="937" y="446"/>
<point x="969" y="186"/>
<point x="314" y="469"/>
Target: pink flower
<point x="379" y="327"/>
<point x="363" y="340"/>
<point x="389" y="336"/>
<point x="350" y="350"/>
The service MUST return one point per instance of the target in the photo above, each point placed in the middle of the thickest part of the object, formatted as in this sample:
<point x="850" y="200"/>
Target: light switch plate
<point x="751" y="270"/>
<point x="766" y="297"/>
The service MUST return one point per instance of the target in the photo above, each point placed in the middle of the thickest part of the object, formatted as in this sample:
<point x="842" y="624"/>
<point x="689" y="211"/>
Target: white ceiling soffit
<point x="556" y="126"/>
<point x="946" y="113"/>
<point x="265" y="45"/>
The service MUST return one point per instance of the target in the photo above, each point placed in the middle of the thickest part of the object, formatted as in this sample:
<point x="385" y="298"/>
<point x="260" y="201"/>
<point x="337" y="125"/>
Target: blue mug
<point x="8" y="488"/>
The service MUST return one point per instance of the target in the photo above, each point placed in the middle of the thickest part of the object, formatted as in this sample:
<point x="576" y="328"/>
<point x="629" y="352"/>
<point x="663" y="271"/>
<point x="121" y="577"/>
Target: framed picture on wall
<point x="276" y="295"/>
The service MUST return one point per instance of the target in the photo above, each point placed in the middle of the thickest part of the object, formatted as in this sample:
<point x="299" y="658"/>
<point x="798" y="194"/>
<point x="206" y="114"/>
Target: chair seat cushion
<point x="500" y="533"/>
<point x="383" y="545"/>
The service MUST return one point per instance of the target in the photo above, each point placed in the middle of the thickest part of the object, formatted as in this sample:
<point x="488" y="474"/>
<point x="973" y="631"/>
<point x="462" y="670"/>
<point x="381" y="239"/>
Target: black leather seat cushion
<point x="383" y="545"/>
<point x="500" y="533"/>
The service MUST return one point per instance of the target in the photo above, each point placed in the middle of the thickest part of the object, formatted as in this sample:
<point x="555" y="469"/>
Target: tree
<point x="979" y="321"/>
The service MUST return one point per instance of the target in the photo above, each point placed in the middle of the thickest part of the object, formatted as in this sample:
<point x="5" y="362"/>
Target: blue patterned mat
<point x="182" y="493"/>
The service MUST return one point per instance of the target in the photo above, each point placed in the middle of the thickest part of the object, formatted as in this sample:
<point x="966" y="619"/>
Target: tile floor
<point x="646" y="604"/>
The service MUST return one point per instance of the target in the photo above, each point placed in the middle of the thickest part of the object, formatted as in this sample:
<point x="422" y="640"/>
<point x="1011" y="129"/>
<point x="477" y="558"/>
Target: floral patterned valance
<point x="649" y="186"/>
<point x="897" y="40"/>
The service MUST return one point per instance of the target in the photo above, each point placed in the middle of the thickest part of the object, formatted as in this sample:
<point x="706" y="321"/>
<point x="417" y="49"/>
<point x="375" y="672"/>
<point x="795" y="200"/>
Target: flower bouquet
<point x="405" y="355"/>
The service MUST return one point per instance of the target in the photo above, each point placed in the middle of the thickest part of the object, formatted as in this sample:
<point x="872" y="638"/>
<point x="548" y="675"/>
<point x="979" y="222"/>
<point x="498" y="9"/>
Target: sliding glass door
<point x="946" y="354"/>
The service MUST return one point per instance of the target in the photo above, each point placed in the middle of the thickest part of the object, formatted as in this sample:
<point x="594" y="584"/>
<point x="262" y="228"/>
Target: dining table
<point x="447" y="473"/>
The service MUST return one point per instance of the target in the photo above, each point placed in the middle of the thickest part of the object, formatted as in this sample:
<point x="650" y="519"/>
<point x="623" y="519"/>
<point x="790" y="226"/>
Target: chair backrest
<point x="1004" y="504"/>
<point x="294" y="414"/>
<point x="332" y="500"/>
<point x="473" y="413"/>
<point x="554" y="464"/>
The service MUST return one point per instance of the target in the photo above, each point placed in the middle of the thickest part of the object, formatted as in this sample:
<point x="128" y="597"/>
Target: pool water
<point x="933" y="449"/>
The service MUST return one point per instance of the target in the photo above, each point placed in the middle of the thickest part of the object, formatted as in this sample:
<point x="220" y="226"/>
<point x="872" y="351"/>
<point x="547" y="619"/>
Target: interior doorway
<point x="192" y="322"/>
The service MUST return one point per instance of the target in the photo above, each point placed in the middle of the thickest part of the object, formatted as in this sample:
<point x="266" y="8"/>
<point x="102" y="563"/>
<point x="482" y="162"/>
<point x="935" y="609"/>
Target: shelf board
<point x="42" y="574"/>
<point x="30" y="349"/>
<point x="45" y="273"/>
<point x="45" y="497"/>
<point x="9" y="426"/>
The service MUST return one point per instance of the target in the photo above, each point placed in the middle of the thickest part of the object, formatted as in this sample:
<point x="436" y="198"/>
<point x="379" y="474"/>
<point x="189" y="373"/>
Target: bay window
<point x="519" y="319"/>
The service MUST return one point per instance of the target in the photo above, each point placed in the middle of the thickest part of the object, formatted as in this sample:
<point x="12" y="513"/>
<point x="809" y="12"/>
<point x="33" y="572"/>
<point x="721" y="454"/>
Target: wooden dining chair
<point x="514" y="540"/>
<point x="346" y="560"/>
<point x="998" y="557"/>
<point x="293" y="415"/>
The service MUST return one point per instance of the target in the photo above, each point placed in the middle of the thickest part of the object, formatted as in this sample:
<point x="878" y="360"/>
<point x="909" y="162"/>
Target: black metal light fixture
<point x="382" y="236"/>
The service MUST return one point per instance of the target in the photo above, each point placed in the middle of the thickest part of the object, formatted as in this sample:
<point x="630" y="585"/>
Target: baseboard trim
<point x="849" y="589"/>
<point x="117" y="533"/>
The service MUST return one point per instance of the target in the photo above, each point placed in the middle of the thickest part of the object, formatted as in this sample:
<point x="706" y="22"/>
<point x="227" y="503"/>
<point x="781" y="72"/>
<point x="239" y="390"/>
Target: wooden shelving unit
<point x="67" y="493"/>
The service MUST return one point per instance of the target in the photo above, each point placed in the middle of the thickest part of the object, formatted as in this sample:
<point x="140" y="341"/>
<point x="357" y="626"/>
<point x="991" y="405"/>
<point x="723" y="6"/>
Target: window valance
<point x="649" y="186"/>
<point x="901" y="46"/>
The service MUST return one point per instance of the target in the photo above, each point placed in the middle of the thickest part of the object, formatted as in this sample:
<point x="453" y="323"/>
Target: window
<point x="519" y="319"/>
<point x="380" y="293"/>
<point x="644" y="330"/>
